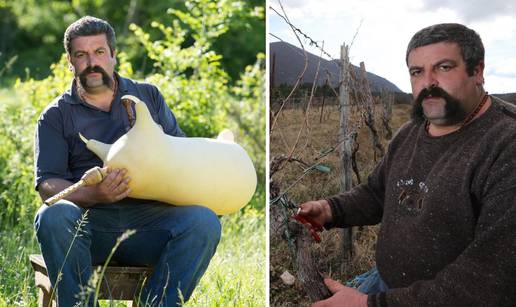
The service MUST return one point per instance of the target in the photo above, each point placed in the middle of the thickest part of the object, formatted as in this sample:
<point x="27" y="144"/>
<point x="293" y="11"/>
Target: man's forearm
<point x="84" y="196"/>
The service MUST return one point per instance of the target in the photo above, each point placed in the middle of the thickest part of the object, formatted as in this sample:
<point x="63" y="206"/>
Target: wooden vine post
<point x="369" y="114"/>
<point x="346" y="144"/>
<point x="387" y="100"/>
<point x="345" y="180"/>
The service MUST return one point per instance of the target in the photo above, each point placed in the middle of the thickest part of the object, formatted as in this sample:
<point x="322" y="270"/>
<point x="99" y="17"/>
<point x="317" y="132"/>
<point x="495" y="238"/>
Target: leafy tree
<point x="31" y="32"/>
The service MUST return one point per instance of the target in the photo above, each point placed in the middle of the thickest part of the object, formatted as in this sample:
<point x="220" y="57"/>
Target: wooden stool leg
<point x="41" y="298"/>
<point x="44" y="298"/>
<point x="126" y="283"/>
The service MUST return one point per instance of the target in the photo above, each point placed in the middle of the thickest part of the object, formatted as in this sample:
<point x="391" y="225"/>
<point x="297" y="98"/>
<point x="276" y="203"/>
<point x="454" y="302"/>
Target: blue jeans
<point x="369" y="283"/>
<point x="178" y="242"/>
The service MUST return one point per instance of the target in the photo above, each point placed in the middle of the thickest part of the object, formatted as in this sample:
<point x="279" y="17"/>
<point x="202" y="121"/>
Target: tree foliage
<point x="31" y="31"/>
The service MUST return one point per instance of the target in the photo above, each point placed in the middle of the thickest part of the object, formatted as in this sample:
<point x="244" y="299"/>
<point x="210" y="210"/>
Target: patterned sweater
<point x="447" y="207"/>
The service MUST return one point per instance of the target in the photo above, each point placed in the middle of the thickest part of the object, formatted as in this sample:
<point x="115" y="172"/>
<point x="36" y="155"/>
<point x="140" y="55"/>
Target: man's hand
<point x="114" y="187"/>
<point x="318" y="210"/>
<point x="342" y="296"/>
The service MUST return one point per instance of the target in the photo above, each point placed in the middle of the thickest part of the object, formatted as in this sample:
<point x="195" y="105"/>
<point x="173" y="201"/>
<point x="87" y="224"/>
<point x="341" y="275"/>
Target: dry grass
<point x="314" y="139"/>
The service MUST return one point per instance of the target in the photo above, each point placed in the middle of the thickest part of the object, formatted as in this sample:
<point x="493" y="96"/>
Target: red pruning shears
<point x="312" y="225"/>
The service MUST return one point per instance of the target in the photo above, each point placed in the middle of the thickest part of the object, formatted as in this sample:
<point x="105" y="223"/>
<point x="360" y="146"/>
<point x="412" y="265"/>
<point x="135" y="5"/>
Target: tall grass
<point x="235" y="276"/>
<point x="16" y="275"/>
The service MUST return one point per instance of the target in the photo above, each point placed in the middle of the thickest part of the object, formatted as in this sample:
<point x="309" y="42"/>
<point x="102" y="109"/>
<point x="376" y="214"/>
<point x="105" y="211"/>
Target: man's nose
<point x="92" y="61"/>
<point x="430" y="80"/>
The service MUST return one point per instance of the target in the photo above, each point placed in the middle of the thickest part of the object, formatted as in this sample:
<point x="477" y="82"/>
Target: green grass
<point x="16" y="276"/>
<point x="235" y="277"/>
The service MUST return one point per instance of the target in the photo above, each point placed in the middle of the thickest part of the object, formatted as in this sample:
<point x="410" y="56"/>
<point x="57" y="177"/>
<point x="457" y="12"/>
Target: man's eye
<point x="79" y="55"/>
<point x="445" y="67"/>
<point x="100" y="52"/>
<point x="415" y="72"/>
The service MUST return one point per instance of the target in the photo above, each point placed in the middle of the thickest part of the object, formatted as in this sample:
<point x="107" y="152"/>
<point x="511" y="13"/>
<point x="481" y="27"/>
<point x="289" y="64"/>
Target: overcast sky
<point x="385" y="28"/>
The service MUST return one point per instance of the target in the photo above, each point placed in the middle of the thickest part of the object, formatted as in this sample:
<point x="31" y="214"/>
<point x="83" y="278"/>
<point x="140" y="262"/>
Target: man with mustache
<point x="178" y="242"/>
<point x="445" y="192"/>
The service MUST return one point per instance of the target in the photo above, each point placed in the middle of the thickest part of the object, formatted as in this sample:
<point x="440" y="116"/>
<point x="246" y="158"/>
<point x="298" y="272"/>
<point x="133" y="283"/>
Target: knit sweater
<point x="447" y="207"/>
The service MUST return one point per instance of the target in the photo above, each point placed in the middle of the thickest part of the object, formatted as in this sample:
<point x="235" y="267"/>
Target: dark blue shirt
<point x="60" y="153"/>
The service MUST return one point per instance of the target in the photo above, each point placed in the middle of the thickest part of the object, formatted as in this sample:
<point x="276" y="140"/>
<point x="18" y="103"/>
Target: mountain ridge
<point x="289" y="62"/>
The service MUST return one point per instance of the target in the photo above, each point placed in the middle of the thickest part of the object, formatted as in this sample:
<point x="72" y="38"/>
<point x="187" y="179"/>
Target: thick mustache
<point x="455" y="112"/>
<point x="91" y="69"/>
<point x="434" y="91"/>
<point x="106" y="79"/>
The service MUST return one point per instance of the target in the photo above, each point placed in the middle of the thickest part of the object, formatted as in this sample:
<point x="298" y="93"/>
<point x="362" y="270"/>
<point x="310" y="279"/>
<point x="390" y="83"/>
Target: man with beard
<point x="178" y="242"/>
<point x="445" y="192"/>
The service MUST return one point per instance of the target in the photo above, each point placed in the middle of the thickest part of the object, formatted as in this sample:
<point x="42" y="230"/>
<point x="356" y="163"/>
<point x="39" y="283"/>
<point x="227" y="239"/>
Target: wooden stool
<point x="119" y="283"/>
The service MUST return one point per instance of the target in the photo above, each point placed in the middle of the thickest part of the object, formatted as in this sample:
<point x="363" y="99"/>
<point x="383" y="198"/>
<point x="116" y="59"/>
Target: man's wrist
<point x="328" y="217"/>
<point x="377" y="300"/>
<point x="363" y="300"/>
<point x="86" y="196"/>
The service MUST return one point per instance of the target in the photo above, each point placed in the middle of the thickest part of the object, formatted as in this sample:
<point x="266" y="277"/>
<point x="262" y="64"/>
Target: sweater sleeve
<point x="363" y="205"/>
<point x="485" y="273"/>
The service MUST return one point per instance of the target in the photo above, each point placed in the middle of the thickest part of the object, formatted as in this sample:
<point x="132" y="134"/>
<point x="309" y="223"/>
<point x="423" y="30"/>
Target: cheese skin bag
<point x="214" y="173"/>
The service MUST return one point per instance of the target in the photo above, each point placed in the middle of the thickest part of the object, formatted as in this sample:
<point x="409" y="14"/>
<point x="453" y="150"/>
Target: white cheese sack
<point x="215" y="173"/>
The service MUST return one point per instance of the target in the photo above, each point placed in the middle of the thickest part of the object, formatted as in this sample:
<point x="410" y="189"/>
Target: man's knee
<point x="56" y="218"/>
<point x="208" y="224"/>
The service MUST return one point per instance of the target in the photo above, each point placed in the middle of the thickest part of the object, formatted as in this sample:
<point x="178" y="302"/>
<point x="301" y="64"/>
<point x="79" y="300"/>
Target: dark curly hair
<point x="86" y="26"/>
<point x="469" y="42"/>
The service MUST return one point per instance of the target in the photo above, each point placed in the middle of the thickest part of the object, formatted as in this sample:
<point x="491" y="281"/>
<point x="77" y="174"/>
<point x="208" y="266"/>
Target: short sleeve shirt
<point x="59" y="151"/>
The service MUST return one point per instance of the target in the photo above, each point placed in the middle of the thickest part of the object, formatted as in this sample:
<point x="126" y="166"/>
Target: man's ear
<point x="478" y="73"/>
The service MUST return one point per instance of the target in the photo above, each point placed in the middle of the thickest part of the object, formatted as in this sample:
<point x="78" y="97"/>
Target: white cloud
<point x="474" y="10"/>
<point x="499" y="85"/>
<point x="388" y="26"/>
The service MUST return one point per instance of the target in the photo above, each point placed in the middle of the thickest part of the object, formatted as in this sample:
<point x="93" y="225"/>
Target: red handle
<point x="312" y="226"/>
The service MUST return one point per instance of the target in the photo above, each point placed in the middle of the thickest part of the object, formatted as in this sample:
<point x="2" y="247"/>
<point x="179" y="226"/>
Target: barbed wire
<point x="308" y="167"/>
<point x="356" y="33"/>
<point x="311" y="41"/>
